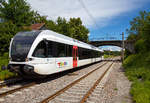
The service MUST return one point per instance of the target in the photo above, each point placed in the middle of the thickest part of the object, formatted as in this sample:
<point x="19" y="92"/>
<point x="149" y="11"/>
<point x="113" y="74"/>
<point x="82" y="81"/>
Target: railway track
<point x="80" y="90"/>
<point x="17" y="89"/>
<point x="27" y="85"/>
<point x="3" y="94"/>
<point x="10" y="82"/>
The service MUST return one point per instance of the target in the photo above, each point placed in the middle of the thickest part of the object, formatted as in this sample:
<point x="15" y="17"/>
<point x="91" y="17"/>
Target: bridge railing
<point x="105" y="39"/>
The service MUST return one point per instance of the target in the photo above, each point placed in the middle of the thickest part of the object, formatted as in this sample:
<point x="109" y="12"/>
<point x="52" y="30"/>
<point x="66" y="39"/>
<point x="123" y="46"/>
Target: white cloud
<point x="101" y="10"/>
<point x="111" y="48"/>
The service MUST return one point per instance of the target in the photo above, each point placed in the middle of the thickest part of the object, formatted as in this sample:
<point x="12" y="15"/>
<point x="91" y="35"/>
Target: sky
<point x="105" y="19"/>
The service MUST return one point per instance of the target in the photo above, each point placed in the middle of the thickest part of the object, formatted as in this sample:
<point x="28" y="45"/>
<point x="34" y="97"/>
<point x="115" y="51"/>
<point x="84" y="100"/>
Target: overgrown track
<point x="63" y="90"/>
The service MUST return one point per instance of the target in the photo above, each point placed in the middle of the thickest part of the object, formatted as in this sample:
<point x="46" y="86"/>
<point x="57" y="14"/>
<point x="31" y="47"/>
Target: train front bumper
<point x="21" y="68"/>
<point x="28" y="69"/>
<point x="24" y="70"/>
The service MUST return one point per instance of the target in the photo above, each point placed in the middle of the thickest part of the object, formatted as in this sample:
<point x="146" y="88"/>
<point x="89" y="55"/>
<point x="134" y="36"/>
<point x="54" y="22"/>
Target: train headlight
<point x="28" y="59"/>
<point x="28" y="68"/>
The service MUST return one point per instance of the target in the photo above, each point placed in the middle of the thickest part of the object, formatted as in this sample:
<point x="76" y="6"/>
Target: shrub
<point x="141" y="92"/>
<point x="129" y="61"/>
<point x="139" y="46"/>
<point x="138" y="71"/>
<point x="5" y="74"/>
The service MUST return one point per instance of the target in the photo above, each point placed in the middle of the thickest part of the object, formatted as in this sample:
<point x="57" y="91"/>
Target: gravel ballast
<point x="40" y="91"/>
<point x="115" y="88"/>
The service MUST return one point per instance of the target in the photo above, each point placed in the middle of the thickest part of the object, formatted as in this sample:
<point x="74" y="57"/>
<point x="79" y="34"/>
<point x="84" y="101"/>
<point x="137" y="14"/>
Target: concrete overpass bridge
<point x="127" y="44"/>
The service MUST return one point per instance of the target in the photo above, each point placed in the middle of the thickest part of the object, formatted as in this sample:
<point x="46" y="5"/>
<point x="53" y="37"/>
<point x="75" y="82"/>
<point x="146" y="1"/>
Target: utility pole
<point x="122" y="46"/>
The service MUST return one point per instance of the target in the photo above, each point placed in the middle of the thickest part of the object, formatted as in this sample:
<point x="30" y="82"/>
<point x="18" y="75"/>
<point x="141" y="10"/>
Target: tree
<point x="15" y="15"/>
<point x="19" y="13"/>
<point x="62" y="26"/>
<point x="7" y="31"/>
<point x="37" y="18"/>
<point x="140" y="31"/>
<point x="16" y="11"/>
<point x="72" y="28"/>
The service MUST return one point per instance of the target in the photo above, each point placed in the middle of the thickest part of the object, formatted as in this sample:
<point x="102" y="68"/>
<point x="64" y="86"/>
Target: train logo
<point x="62" y="64"/>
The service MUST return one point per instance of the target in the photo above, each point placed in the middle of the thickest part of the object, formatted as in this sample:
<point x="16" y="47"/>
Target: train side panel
<point x="57" y="65"/>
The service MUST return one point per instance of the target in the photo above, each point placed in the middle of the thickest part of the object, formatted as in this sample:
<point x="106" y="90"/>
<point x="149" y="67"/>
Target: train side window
<point x="61" y="50"/>
<point x="50" y="49"/>
<point x="40" y="50"/>
<point x="81" y="53"/>
<point x="69" y="50"/>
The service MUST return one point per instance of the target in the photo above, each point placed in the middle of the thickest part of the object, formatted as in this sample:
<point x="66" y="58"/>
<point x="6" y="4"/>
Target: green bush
<point x="137" y="70"/>
<point x="139" y="46"/>
<point x="108" y="56"/>
<point x="129" y="61"/>
<point x="4" y="59"/>
<point x="5" y="74"/>
<point x="141" y="92"/>
<point x="137" y="66"/>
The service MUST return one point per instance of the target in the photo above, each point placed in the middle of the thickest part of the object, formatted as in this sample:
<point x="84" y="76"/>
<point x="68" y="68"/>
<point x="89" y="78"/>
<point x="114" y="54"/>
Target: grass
<point x="137" y="69"/>
<point x="5" y="74"/>
<point x="115" y="89"/>
<point x="108" y="56"/>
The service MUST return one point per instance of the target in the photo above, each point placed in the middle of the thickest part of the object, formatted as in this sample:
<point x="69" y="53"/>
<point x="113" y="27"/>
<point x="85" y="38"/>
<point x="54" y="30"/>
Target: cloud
<point x="101" y="10"/>
<point x="111" y="48"/>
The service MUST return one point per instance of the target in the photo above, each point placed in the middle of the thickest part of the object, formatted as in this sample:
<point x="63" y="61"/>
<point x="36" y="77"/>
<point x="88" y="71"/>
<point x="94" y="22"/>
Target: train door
<point x="75" y="56"/>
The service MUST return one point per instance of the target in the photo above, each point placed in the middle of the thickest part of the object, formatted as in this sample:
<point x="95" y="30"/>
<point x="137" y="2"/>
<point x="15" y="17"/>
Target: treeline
<point x="140" y="32"/>
<point x="114" y="53"/>
<point x="15" y="15"/>
<point x="137" y="66"/>
<point x="111" y="54"/>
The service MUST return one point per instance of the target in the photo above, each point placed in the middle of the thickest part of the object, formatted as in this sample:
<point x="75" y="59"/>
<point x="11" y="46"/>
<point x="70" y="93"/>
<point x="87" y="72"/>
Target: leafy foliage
<point x="16" y="14"/>
<point x="72" y="28"/>
<point x="137" y="65"/>
<point x="5" y="73"/>
<point x="141" y="91"/>
<point x="137" y="70"/>
<point x="140" y="30"/>
<point x="114" y="53"/>
<point x="7" y="30"/>
<point x="17" y="11"/>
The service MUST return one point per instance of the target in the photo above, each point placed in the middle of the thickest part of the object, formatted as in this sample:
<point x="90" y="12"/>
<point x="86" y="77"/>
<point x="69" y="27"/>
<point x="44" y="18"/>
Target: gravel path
<point x="123" y="86"/>
<point x="116" y="89"/>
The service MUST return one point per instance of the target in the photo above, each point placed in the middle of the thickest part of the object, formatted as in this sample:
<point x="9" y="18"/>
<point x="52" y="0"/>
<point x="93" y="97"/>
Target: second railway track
<point x="79" y="90"/>
<point x="16" y="89"/>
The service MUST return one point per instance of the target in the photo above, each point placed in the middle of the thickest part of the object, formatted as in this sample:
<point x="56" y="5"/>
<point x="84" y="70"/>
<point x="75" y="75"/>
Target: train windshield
<point x="22" y="43"/>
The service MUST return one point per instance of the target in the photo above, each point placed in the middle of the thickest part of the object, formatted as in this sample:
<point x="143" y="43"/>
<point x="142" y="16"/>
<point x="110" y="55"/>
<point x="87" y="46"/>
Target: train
<point x="38" y="53"/>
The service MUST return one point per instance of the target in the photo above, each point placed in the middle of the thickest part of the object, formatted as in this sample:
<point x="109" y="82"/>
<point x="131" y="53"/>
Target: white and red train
<point x="44" y="52"/>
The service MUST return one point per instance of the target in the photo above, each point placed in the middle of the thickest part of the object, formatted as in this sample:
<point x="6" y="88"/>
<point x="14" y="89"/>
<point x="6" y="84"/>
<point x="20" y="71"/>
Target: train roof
<point x="56" y="37"/>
